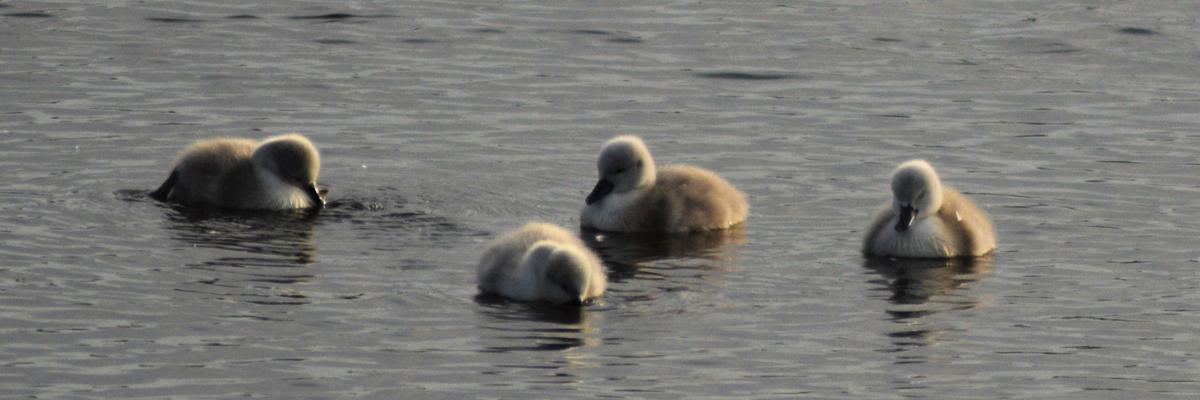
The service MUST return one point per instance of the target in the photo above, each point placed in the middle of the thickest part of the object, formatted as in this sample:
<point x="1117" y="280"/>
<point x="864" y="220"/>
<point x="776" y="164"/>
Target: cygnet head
<point x="624" y="165"/>
<point x="916" y="193"/>
<point x="294" y="160"/>
<point x="562" y="272"/>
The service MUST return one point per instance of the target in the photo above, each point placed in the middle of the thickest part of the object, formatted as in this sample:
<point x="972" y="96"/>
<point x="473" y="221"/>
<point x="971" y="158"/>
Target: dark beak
<point x="315" y="195"/>
<point x="905" y="219"/>
<point x="603" y="188"/>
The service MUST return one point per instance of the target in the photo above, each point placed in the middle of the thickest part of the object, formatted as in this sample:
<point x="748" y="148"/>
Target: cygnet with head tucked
<point x="278" y="173"/>
<point x="635" y="196"/>
<point x="927" y="219"/>
<point x="541" y="262"/>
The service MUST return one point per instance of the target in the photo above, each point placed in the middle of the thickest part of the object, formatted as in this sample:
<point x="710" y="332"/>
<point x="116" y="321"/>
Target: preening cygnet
<point x="927" y="219"/>
<point x="541" y="262"/>
<point x="634" y="196"/>
<point x="276" y="174"/>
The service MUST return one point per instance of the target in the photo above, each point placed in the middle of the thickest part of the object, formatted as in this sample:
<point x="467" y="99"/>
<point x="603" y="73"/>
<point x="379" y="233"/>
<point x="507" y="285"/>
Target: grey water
<point x="444" y="123"/>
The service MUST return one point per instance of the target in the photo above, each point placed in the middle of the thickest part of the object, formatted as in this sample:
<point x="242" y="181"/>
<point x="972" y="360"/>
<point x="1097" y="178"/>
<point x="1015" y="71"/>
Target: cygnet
<point x="927" y="219"/>
<point x="541" y="262"/>
<point x="635" y="196"/>
<point x="278" y="173"/>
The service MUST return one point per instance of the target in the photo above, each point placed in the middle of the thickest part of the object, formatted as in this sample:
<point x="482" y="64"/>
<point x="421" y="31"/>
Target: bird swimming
<point x="278" y="173"/>
<point x="927" y="219"/>
<point x="633" y="195"/>
<point x="541" y="262"/>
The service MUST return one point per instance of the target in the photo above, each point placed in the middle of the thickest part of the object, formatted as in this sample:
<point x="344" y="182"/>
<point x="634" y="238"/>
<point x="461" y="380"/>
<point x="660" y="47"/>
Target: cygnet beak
<point x="316" y="195"/>
<point x="906" y="218"/>
<point x="603" y="188"/>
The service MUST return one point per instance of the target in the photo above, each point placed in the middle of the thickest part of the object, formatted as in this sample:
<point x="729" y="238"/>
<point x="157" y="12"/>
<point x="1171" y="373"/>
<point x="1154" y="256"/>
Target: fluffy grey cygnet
<point x="635" y="196"/>
<point x="278" y="173"/>
<point x="541" y="262"/>
<point x="927" y="219"/>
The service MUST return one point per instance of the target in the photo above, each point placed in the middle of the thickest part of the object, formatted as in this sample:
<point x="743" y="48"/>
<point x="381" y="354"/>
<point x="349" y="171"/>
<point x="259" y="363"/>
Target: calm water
<point x="443" y="124"/>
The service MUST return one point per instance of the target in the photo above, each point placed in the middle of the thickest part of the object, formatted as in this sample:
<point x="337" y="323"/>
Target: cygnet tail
<point x="165" y="189"/>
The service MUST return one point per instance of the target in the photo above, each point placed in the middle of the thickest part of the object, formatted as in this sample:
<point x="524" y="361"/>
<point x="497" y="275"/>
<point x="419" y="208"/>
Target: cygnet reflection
<point x="624" y="252"/>
<point x="253" y="257"/>
<point x="915" y="281"/>
<point x="516" y="326"/>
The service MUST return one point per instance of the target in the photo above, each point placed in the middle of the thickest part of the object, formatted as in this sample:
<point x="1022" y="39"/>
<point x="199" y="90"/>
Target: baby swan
<point x="927" y="220"/>
<point x="632" y="196"/>
<point x="279" y="173"/>
<point x="541" y="262"/>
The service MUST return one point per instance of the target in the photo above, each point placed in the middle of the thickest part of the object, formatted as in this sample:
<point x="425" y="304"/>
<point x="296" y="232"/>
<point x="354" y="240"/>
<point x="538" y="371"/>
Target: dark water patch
<point x="1137" y="31"/>
<point x="29" y="14"/>
<point x="418" y="41"/>
<point x="242" y="16"/>
<point x="355" y="205"/>
<point x="746" y="76"/>
<point x="893" y="115"/>
<point x="276" y="239"/>
<point x="1030" y="123"/>
<point x="540" y="344"/>
<point x="486" y="30"/>
<point x="1057" y="48"/>
<point x="334" y="17"/>
<point x="390" y="214"/>
<point x="1118" y="162"/>
<point x="626" y="250"/>
<point x="277" y="303"/>
<point x="1098" y="318"/>
<point x="887" y="40"/>
<point x="590" y="32"/>
<point x="625" y="40"/>
<point x="285" y="281"/>
<point x="501" y="308"/>
<point x="913" y="334"/>
<point x="915" y="281"/>
<point x="1042" y="123"/>
<point x="247" y="316"/>
<point x="1043" y="353"/>
<point x="173" y="20"/>
<point x="133" y="195"/>
<point x="330" y="16"/>
<point x="335" y="41"/>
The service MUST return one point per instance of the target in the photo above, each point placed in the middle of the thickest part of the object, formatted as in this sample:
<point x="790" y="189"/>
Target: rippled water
<point x="443" y="124"/>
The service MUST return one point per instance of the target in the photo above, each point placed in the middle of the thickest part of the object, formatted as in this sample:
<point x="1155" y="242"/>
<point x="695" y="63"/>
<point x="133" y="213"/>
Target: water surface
<point x="443" y="124"/>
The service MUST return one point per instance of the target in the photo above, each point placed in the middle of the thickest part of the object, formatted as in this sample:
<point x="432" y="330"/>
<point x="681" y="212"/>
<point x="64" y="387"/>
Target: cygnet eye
<point x="921" y="196"/>
<point x="618" y="171"/>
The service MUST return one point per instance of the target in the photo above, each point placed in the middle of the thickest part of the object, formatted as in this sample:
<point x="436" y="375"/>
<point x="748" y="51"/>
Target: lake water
<point x="443" y="124"/>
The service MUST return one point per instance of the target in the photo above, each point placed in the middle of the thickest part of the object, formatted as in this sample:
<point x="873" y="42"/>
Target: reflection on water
<point x="271" y="252"/>
<point x="524" y="326"/>
<point x="624" y="253"/>
<point x="916" y="281"/>
<point x="924" y="287"/>
<point x="284" y="237"/>
<point x="457" y="119"/>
